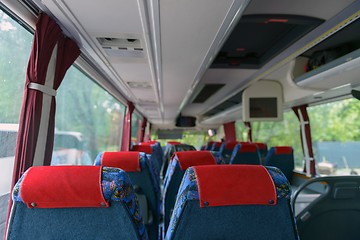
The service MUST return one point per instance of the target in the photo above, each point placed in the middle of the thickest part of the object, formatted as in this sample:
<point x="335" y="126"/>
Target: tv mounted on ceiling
<point x="263" y="101"/>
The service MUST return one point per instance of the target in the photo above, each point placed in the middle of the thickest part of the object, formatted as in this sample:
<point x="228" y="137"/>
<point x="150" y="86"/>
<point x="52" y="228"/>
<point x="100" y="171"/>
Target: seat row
<point x="98" y="202"/>
<point x="143" y="171"/>
<point x="281" y="157"/>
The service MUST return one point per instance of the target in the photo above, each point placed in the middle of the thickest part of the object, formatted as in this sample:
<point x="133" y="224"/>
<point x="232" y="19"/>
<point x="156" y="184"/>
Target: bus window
<point x="88" y="120"/>
<point x="336" y="137"/>
<point x="15" y="45"/>
<point x="135" y="125"/>
<point x="284" y="133"/>
<point x="193" y="138"/>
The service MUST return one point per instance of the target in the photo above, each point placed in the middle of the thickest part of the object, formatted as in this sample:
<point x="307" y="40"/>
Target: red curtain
<point x="230" y="132"/>
<point x="51" y="55"/>
<point x="48" y="36"/>
<point x="126" y="135"/>
<point x="305" y="116"/>
<point x="142" y="129"/>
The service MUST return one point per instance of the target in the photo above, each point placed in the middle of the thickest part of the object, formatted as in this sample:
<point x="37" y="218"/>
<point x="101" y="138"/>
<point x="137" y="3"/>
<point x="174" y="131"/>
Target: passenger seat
<point x="144" y="180"/>
<point x="233" y="202"/>
<point x="75" y="202"/>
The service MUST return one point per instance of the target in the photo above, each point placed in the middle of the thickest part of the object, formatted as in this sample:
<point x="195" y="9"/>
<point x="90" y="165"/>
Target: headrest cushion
<point x="143" y="148"/>
<point x="127" y="161"/>
<point x="283" y="150"/>
<point x="248" y="147"/>
<point x="261" y="146"/>
<point x="224" y="185"/>
<point x="63" y="187"/>
<point x="231" y="145"/>
<point x="194" y="158"/>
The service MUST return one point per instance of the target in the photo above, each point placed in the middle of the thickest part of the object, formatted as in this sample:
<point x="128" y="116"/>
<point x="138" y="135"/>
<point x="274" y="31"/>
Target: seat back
<point x="177" y="147"/>
<point x="263" y="150"/>
<point x="75" y="202"/>
<point x="335" y="214"/>
<point x="245" y="153"/>
<point x="282" y="157"/>
<point x="146" y="185"/>
<point x="233" y="202"/>
<point x="209" y="145"/>
<point x="157" y="150"/>
<point x="180" y="162"/>
<point x="151" y="153"/>
<point x="226" y="150"/>
<point x="216" y="146"/>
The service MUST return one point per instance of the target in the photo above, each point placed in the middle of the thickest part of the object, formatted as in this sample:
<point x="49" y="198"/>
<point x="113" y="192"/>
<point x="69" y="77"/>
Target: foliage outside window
<point x="283" y="133"/>
<point x="88" y="120"/>
<point x="335" y="129"/>
<point x="15" y="47"/>
<point x="135" y="125"/>
<point x="194" y="138"/>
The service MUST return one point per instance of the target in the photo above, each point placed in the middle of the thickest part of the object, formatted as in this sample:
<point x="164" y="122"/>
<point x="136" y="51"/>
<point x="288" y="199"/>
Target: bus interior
<point x="270" y="88"/>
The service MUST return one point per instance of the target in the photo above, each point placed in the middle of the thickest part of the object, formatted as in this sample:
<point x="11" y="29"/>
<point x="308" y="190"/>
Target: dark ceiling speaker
<point x="185" y="121"/>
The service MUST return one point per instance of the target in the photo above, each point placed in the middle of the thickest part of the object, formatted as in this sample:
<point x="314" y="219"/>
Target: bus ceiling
<point x="198" y="64"/>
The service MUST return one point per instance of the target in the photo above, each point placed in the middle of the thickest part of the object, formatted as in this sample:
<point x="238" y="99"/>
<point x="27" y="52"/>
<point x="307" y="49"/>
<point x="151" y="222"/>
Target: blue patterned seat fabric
<point x="149" y="186"/>
<point x="239" y="156"/>
<point x="281" y="157"/>
<point x="116" y="187"/>
<point x="144" y="163"/>
<point x="188" y="191"/>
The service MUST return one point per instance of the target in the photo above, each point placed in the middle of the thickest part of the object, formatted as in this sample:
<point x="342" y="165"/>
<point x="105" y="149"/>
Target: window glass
<point x="241" y="131"/>
<point x="135" y="125"/>
<point x="15" y="47"/>
<point x="193" y="138"/>
<point x="88" y="121"/>
<point x="283" y="133"/>
<point x="335" y="129"/>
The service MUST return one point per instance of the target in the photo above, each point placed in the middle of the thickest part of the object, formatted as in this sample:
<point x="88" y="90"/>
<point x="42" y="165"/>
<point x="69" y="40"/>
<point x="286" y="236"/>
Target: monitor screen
<point x="263" y="107"/>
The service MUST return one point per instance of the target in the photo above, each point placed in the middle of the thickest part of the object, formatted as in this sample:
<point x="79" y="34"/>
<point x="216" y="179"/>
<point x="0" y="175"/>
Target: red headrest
<point x="174" y="143"/>
<point x="248" y="147"/>
<point x="283" y="150"/>
<point x="230" y="145"/>
<point x="63" y="187"/>
<point x="142" y="148"/>
<point x="217" y="144"/>
<point x="224" y="185"/>
<point x="261" y="145"/>
<point x="127" y="161"/>
<point x="194" y="158"/>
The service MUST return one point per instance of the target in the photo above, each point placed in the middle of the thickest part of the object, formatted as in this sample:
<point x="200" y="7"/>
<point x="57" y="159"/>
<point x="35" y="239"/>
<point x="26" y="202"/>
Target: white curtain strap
<point x="43" y="89"/>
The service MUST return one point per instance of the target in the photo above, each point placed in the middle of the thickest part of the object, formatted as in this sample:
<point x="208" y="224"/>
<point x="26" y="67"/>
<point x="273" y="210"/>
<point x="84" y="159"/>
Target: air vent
<point x="229" y="103"/>
<point x="122" y="47"/>
<point x="207" y="91"/>
<point x="139" y="84"/>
